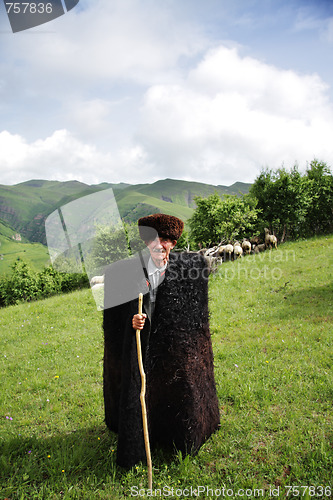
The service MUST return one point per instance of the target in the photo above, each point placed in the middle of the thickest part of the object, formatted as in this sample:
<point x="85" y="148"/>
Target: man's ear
<point x="174" y="243"/>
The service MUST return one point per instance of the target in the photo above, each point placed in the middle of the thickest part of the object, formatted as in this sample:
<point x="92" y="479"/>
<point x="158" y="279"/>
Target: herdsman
<point x="181" y="398"/>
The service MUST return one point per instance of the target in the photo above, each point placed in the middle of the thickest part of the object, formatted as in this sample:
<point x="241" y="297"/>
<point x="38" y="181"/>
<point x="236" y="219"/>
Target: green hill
<point x="182" y="193"/>
<point x="13" y="247"/>
<point x="26" y="206"/>
<point x="135" y="204"/>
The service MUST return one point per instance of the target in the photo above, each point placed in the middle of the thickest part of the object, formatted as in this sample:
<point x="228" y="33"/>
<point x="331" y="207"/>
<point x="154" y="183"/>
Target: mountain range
<point x="25" y="206"/>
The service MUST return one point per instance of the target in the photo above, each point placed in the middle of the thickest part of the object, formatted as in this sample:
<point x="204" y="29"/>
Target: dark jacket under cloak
<point x="181" y="398"/>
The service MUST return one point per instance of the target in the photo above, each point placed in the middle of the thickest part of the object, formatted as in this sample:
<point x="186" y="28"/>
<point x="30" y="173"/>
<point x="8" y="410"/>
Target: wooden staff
<point x="143" y="402"/>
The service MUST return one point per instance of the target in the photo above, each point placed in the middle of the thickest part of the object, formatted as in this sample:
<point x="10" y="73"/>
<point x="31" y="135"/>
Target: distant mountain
<point x="25" y="206"/>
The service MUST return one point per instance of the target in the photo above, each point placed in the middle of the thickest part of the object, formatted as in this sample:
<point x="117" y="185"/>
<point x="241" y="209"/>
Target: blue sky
<point x="140" y="90"/>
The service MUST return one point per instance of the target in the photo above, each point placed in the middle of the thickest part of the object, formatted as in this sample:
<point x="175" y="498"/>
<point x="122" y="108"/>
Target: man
<point x="181" y="399"/>
<point x="159" y="249"/>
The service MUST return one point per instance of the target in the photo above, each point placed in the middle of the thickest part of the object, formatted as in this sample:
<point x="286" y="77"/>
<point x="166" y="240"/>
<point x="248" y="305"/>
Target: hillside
<point x="271" y="320"/>
<point x="13" y="247"/>
<point x="25" y="206"/>
<point x="183" y="192"/>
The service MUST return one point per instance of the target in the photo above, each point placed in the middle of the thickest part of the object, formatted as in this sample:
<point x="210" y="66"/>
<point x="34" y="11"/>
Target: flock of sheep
<point x="225" y="252"/>
<point x="219" y="253"/>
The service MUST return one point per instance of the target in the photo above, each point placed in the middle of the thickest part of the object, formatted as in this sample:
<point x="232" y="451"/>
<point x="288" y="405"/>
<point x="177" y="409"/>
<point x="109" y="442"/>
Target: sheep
<point x="220" y="250"/>
<point x="259" y="248"/>
<point x="209" y="261"/>
<point x="213" y="263"/>
<point x="270" y="239"/>
<point x="246" y="246"/>
<point x="238" y="251"/>
<point x="255" y="240"/>
<point x="228" y="252"/>
<point x="97" y="280"/>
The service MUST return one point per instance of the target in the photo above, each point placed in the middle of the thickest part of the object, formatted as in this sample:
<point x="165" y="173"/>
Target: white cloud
<point x="232" y="115"/>
<point x="63" y="157"/>
<point x="132" y="90"/>
<point x="226" y="119"/>
<point x="90" y="117"/>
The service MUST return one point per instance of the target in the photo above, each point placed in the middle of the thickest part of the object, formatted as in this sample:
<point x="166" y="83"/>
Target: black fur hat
<point x="166" y="226"/>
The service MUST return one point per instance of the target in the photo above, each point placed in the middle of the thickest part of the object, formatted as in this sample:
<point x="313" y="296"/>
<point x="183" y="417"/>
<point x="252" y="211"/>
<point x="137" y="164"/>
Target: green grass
<point x="127" y="199"/>
<point x="271" y="320"/>
<point x="34" y="254"/>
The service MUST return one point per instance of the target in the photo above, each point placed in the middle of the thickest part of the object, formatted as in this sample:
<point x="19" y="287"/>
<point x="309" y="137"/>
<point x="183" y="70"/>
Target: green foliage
<point x="21" y="286"/>
<point x="295" y="205"/>
<point x="111" y="244"/>
<point x="216" y="219"/>
<point x="185" y="242"/>
<point x="319" y="190"/>
<point x="24" y="284"/>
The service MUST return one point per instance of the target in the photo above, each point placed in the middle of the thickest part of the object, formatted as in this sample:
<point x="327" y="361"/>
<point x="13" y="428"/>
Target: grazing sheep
<point x="246" y="246"/>
<point x="97" y="280"/>
<point x="228" y="253"/>
<point x="209" y="261"/>
<point x="213" y="263"/>
<point x="259" y="248"/>
<point x="220" y="250"/>
<point x="270" y="239"/>
<point x="255" y="240"/>
<point x="238" y="251"/>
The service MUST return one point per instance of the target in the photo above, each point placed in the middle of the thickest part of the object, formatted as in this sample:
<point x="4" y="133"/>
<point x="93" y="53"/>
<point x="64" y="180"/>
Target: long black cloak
<point x="181" y="399"/>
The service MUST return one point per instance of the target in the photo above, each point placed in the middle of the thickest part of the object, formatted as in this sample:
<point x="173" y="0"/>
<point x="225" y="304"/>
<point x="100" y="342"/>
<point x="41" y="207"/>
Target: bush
<point x="21" y="286"/>
<point x="216" y="219"/>
<point x="73" y="281"/>
<point x="293" y="204"/>
<point x="24" y="284"/>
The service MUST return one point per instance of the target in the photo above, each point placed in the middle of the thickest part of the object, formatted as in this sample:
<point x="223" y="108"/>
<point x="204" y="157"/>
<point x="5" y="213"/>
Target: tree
<point x="113" y="244"/>
<point x="281" y="197"/>
<point x="319" y="187"/>
<point x="295" y="205"/>
<point x="216" y="219"/>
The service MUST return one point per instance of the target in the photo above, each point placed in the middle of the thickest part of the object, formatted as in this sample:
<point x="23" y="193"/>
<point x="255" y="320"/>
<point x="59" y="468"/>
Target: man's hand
<point x="138" y="321"/>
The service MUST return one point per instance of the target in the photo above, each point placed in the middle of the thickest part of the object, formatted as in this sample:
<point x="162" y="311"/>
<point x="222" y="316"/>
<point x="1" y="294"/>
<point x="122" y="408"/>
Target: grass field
<point x="272" y="326"/>
<point x="34" y="254"/>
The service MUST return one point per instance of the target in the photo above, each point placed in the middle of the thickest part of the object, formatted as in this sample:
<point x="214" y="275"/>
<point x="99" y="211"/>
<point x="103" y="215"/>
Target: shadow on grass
<point x="315" y="300"/>
<point x="85" y="456"/>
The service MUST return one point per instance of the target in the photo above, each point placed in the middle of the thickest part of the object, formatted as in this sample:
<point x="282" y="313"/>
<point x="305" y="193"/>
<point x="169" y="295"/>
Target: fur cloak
<point x="181" y="400"/>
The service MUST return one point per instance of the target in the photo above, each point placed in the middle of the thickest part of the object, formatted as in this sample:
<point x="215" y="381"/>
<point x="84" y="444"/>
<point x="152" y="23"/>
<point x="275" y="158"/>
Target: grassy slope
<point x="34" y="254"/>
<point x="145" y="205"/>
<point x="28" y="198"/>
<point x="182" y="192"/>
<point x="26" y="205"/>
<point x="271" y="320"/>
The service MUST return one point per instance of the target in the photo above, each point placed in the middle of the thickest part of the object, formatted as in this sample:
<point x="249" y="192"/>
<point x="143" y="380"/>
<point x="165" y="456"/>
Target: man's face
<point x="159" y="249"/>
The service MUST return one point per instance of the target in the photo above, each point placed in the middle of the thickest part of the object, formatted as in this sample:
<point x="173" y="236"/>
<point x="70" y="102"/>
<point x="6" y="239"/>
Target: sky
<point x="140" y="90"/>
